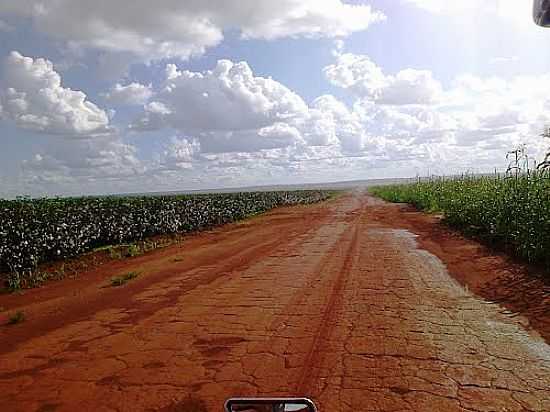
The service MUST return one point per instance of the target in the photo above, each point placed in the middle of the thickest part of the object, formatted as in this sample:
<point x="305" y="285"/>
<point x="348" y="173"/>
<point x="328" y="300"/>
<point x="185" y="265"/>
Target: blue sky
<point x="325" y="92"/>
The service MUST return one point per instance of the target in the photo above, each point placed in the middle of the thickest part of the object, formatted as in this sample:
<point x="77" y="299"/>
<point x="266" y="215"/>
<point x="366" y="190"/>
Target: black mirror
<point x="541" y="12"/>
<point x="270" y="405"/>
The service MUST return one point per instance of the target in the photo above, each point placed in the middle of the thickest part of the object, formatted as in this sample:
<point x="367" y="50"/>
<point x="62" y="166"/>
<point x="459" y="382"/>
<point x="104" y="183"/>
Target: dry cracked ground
<point x="336" y="301"/>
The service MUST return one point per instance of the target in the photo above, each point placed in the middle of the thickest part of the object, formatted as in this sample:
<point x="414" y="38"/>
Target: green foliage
<point x="509" y="211"/>
<point x="114" y="252"/>
<point x="16" y="318"/>
<point x="24" y="278"/>
<point x="34" y="231"/>
<point x="133" y="250"/>
<point x="121" y="280"/>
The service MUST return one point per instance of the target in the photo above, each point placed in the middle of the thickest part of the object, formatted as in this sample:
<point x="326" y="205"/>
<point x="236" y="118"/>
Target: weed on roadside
<point x="114" y="253"/>
<point x="16" y="318"/>
<point x="60" y="273"/>
<point x="134" y="250"/>
<point x="121" y="280"/>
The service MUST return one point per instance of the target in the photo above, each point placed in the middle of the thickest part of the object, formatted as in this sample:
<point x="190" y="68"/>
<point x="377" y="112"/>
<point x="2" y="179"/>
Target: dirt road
<point x="334" y="301"/>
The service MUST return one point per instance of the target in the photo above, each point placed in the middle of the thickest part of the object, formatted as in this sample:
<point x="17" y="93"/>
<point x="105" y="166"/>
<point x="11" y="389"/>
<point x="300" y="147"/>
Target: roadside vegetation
<point x="17" y="317"/>
<point x="510" y="211"/>
<point x="35" y="231"/>
<point x="121" y="280"/>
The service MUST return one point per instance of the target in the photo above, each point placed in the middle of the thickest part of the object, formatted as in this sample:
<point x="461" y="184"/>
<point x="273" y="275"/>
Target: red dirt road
<point x="333" y="301"/>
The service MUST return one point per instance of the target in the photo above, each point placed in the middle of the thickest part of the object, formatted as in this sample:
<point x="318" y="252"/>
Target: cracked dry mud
<point x="327" y="301"/>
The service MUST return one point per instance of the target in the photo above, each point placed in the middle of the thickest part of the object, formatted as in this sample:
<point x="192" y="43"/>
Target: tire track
<point x="342" y="309"/>
<point x="333" y="306"/>
<point x="201" y="270"/>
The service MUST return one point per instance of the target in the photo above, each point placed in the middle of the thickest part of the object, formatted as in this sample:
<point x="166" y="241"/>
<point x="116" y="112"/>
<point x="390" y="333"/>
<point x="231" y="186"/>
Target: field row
<point x="33" y="231"/>
<point x="512" y="212"/>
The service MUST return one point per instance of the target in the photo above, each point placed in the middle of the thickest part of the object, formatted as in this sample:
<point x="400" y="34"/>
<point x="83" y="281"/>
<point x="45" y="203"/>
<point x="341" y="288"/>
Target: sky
<point x="101" y="97"/>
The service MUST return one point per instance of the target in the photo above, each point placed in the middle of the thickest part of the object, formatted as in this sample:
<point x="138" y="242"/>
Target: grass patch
<point x="121" y="280"/>
<point x="16" y="318"/>
<point x="133" y="250"/>
<point x="114" y="253"/>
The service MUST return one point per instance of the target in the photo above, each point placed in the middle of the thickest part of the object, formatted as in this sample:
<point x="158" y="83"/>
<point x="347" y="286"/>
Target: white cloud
<point x="499" y="113"/>
<point x="84" y="165"/>
<point x="338" y="125"/>
<point x="171" y="28"/>
<point x="285" y="18"/>
<point x="235" y="128"/>
<point x="180" y="153"/>
<point x="131" y="94"/>
<point x="411" y="125"/>
<point x="276" y="136"/>
<point x="33" y="97"/>
<point x="228" y="109"/>
<point x="410" y="116"/>
<point x="358" y="74"/>
<point x="228" y="98"/>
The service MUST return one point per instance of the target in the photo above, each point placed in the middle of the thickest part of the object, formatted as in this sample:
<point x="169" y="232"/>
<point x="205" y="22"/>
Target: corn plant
<point x="510" y="211"/>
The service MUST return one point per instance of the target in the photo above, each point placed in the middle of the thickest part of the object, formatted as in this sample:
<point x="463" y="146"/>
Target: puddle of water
<point x="495" y="316"/>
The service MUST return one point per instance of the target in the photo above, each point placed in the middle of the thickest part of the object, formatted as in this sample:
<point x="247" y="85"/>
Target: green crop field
<point x="34" y="231"/>
<point x="512" y="212"/>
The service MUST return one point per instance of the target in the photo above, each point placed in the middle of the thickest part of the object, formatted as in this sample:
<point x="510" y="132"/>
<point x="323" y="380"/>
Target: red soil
<point x="335" y="301"/>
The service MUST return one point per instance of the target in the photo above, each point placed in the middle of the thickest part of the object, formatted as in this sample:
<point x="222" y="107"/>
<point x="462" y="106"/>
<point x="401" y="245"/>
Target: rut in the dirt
<point x="340" y="306"/>
<point x="411" y="338"/>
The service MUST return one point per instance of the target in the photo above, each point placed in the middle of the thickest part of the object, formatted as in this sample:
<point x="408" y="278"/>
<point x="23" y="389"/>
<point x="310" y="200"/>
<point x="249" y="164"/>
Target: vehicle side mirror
<point x="541" y="12"/>
<point x="270" y="405"/>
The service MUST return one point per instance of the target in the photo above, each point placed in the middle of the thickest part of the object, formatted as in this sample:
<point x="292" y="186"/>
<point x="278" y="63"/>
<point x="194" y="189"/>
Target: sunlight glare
<point x="516" y="11"/>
